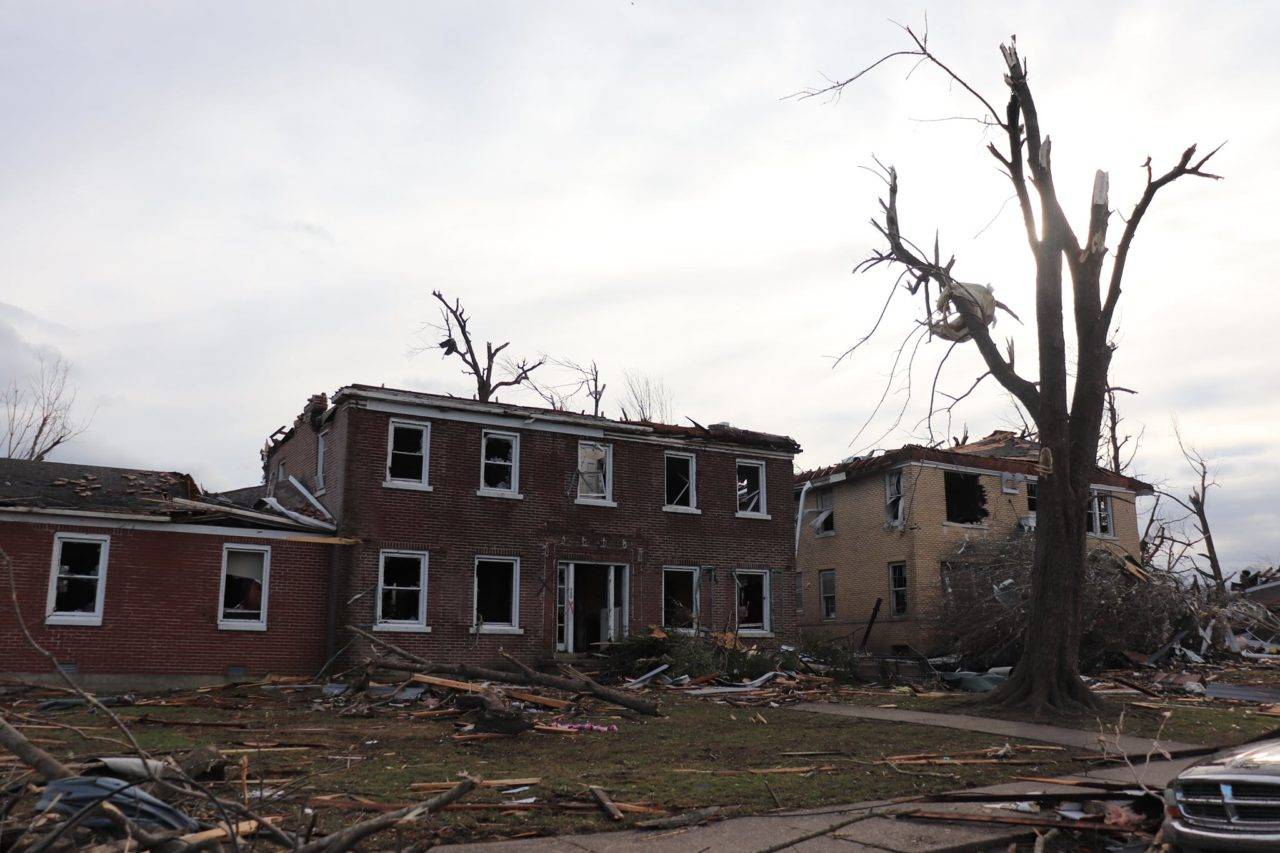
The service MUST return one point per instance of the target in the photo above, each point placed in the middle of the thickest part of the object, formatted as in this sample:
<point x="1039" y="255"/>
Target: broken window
<point x="595" y="471"/>
<point x="751" y="496"/>
<point x="966" y="499"/>
<point x="898" y="589"/>
<point x="321" y="441"/>
<point x="680" y="597"/>
<point x="402" y="589"/>
<point x="244" y="587"/>
<point x="79" y="575"/>
<point x="497" y="598"/>
<point x="1099" y="518"/>
<point x="1032" y="493"/>
<point x="681" y="488"/>
<point x="753" y="601"/>
<point x="893" y="513"/>
<point x="407" y="453"/>
<point x="280" y="473"/>
<point x="500" y="462"/>
<point x="827" y="592"/>
<point x="824" y="521"/>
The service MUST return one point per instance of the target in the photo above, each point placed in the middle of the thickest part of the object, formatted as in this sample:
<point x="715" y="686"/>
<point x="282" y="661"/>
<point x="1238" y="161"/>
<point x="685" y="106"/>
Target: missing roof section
<point x="966" y="499"/>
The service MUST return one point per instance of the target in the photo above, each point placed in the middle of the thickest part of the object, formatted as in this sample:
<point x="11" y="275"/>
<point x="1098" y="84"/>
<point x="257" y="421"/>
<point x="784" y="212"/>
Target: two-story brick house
<point x="884" y="527"/>
<point x="485" y="525"/>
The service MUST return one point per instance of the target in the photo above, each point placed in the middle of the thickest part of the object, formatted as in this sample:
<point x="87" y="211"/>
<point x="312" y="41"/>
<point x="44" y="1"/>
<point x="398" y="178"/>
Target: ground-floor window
<point x="402" y="590"/>
<point x="898" y="589"/>
<point x="827" y="592"/>
<point x="497" y="593"/>
<point x="753" y="601"/>
<point x="680" y="597"/>
<point x="78" y="579"/>
<point x="245" y="573"/>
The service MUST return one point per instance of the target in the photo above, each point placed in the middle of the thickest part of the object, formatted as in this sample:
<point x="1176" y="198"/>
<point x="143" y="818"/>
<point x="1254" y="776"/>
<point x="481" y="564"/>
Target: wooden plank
<point x="535" y="699"/>
<point x="437" y="681"/>
<point x="487" y="783"/>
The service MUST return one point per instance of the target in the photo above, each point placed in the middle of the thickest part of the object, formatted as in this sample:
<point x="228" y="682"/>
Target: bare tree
<point x="646" y="398"/>
<point x="585" y="380"/>
<point x="1116" y="452"/>
<point x="1197" y="514"/>
<point x="38" y="411"/>
<point x="454" y="325"/>
<point x="1068" y="420"/>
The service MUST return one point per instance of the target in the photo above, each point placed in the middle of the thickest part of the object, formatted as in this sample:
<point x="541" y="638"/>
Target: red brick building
<point x="457" y="527"/>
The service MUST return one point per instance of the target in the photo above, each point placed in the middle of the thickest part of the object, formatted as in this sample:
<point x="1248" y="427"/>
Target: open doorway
<point x="591" y="606"/>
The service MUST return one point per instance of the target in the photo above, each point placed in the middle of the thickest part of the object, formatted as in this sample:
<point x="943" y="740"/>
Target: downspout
<point x="804" y="490"/>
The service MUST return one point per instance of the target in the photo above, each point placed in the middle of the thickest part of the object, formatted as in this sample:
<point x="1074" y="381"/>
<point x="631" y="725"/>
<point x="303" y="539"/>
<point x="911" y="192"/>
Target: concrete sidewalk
<point x="861" y="826"/>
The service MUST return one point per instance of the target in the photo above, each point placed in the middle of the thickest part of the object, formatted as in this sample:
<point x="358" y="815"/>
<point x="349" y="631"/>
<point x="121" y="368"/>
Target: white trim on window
<point x="259" y="624"/>
<point x="511" y="627"/>
<point x="823" y="594"/>
<point x="595" y="498"/>
<point x="696" y="571"/>
<point x="763" y="503"/>
<point x="767" y="624"/>
<point x="52" y="616"/>
<point x="322" y="443"/>
<point x="692" y="498"/>
<point x="421" y="484"/>
<point x="894" y="498"/>
<point x="1100" y="508"/>
<point x="418" y="625"/>
<point x="514" y="464"/>
<point x="894" y="589"/>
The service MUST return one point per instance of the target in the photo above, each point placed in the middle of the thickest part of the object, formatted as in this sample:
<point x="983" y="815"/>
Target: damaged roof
<point x="1001" y="451"/>
<point x="720" y="433"/>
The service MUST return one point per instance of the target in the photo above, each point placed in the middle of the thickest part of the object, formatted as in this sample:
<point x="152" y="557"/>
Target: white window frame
<point x="243" y="624"/>
<point x="53" y="617"/>
<point x="514" y="491"/>
<point x="767" y="630"/>
<point x="905" y="588"/>
<point x="322" y="444"/>
<point x="1093" y="526"/>
<point x="827" y="495"/>
<point x="592" y="500"/>
<point x="696" y="571"/>
<point x="421" y="484"/>
<point x="890" y="478"/>
<point x="512" y="627"/>
<point x="822" y="596"/>
<point x="1033" y="494"/>
<point x="692" y="508"/>
<point x="763" y="512"/>
<point x="418" y="625"/>
<point x="280" y="472"/>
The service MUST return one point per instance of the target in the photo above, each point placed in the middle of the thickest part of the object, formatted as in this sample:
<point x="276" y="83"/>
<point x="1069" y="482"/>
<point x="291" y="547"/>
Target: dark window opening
<point x="1098" y="519"/>
<point x="1032" y="494"/>
<point x="825" y="520"/>
<point x="966" y="499"/>
<point x="898" y="589"/>
<point x="78" y="565"/>
<point x="408" y="456"/>
<point x="827" y="592"/>
<point x="499" y="462"/>
<point x="495" y="592"/>
<point x="679" y="481"/>
<point x="750" y="484"/>
<point x="242" y="587"/>
<point x="401" y="588"/>
<point x="679" y="598"/>
<point x="753" y="605"/>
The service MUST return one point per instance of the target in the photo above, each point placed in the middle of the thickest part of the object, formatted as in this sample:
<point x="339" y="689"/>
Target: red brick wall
<point x="160" y="608"/>
<point x="454" y="524"/>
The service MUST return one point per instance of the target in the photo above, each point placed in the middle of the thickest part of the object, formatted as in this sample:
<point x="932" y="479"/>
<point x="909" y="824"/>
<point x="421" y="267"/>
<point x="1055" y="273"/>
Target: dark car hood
<point x="1261" y="759"/>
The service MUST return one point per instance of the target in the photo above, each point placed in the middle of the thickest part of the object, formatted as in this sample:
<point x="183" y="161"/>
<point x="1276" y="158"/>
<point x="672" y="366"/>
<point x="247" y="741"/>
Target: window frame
<point x="322" y="448"/>
<point x="899" y="518"/>
<point x="607" y="499"/>
<point x="512" y="627"/>
<point x="1033" y="496"/>
<point x="94" y="619"/>
<point x="824" y="514"/>
<point x="767" y="629"/>
<point x="489" y="491"/>
<point x="1092" y="525"/>
<point x="419" y="625"/>
<point x="763" y="512"/>
<point x="696" y="571"/>
<point x="692" y="507"/>
<point x="823" y="575"/>
<point x="244" y="624"/>
<point x="894" y="612"/>
<point x="423" y="483"/>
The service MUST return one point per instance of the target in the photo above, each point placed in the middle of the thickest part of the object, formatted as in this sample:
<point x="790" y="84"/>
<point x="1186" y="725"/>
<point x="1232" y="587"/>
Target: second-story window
<point x="893" y="509"/>
<point x="500" y="463"/>
<point x="751" y="488"/>
<point x="1099" y="519"/>
<point x="595" y="472"/>
<point x="407" y="444"/>
<point x="824" y="519"/>
<point x="322" y="440"/>
<point x="682" y="480"/>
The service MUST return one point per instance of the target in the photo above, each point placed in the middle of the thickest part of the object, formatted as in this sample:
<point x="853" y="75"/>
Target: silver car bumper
<point x="1178" y="832"/>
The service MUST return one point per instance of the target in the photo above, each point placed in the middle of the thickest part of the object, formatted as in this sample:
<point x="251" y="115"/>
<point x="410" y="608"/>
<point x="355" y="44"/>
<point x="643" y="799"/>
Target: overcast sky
<point x="215" y="210"/>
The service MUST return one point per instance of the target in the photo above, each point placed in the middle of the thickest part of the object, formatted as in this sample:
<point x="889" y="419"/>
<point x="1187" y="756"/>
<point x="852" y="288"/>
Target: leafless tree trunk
<point x="454" y="324"/>
<point x="1194" y="503"/>
<point x="1068" y="420"/>
<point x="38" y="411"/>
<point x="1116" y="452"/>
<point x="646" y="398"/>
<point x="586" y="379"/>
